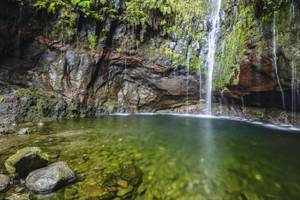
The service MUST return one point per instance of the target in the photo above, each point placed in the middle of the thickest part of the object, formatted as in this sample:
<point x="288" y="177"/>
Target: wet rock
<point x="19" y="189"/>
<point x="7" y="130"/>
<point x="23" y="131"/>
<point x="132" y="174"/>
<point x="18" y="197"/>
<point x="106" y="196"/>
<point x="122" y="183"/>
<point x="51" y="178"/>
<point x="125" y="191"/>
<point x="4" y="182"/>
<point x="26" y="160"/>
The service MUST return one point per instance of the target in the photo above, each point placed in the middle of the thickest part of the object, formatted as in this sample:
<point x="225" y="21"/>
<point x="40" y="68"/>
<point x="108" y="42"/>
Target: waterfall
<point x="275" y="60"/>
<point x="294" y="93"/>
<point x="294" y="86"/>
<point x="292" y="11"/>
<point x="187" y="79"/>
<point x="212" y="46"/>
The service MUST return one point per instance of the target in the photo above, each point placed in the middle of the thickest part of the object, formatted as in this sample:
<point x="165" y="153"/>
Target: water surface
<point x="181" y="157"/>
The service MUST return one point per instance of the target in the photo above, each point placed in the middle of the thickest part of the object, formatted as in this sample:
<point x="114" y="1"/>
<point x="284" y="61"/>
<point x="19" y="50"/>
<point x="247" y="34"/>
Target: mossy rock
<point x="26" y="160"/>
<point x="125" y="192"/>
<point x="131" y="173"/>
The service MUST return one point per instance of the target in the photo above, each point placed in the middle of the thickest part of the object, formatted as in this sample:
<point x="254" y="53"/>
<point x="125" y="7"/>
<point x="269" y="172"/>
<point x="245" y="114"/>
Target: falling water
<point x="187" y="79"/>
<point x="275" y="60"/>
<point x="294" y="93"/>
<point x="294" y="73"/>
<point x="212" y="45"/>
<point x="292" y="11"/>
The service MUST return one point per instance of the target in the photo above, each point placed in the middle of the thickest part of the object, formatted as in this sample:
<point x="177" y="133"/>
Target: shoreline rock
<point x="50" y="178"/>
<point x="25" y="160"/>
<point x="4" y="182"/>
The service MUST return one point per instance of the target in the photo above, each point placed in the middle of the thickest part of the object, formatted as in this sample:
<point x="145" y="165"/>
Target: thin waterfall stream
<point x="212" y="46"/>
<point x="187" y="79"/>
<point x="294" y="84"/>
<point x="275" y="61"/>
<point x="294" y="94"/>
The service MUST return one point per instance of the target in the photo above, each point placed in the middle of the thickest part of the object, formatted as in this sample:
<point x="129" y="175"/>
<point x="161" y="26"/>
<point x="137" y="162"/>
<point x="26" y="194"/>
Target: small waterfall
<point x="294" y="93"/>
<point x="200" y="85"/>
<point x="275" y="60"/>
<point x="243" y="104"/>
<point x="294" y="86"/>
<point x="292" y="11"/>
<point x="212" y="46"/>
<point x="187" y="79"/>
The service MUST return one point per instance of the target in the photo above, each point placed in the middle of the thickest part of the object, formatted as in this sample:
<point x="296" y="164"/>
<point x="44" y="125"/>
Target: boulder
<point x="26" y="160"/>
<point x="4" y="182"/>
<point x="51" y="178"/>
<point x="23" y="131"/>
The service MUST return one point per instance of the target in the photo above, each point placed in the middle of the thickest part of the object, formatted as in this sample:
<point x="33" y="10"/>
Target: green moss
<point x="233" y="47"/>
<point x="2" y="98"/>
<point x="31" y="157"/>
<point x="24" y="92"/>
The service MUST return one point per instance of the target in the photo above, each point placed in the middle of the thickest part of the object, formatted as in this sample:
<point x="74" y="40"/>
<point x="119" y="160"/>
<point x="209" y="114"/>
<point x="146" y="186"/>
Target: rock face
<point x="74" y="80"/>
<point x="79" y="82"/>
<point x="4" y="182"/>
<point x="50" y="178"/>
<point x="263" y="61"/>
<point x="26" y="160"/>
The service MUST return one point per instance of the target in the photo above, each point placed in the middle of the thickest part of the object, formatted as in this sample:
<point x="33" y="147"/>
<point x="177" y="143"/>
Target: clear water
<point x="181" y="157"/>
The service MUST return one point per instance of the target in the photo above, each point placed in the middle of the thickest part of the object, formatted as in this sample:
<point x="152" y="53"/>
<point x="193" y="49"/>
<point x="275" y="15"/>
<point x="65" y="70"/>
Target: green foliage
<point x="92" y="41"/>
<point x="21" y="92"/>
<point x="69" y="12"/>
<point x="2" y="98"/>
<point x="233" y="47"/>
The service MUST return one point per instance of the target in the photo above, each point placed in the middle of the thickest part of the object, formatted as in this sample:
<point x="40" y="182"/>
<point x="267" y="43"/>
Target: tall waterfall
<point x="212" y="46"/>
<point x="275" y="60"/>
<point x="294" y="84"/>
<point x="294" y="93"/>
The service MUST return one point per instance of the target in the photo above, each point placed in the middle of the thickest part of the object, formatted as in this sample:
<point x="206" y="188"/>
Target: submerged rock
<point x="26" y="160"/>
<point x="51" y="178"/>
<point x="122" y="184"/>
<point x="132" y="174"/>
<point x="4" y="182"/>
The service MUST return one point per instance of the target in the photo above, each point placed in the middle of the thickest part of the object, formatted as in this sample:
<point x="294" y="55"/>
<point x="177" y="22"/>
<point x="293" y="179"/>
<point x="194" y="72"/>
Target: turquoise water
<point x="180" y="157"/>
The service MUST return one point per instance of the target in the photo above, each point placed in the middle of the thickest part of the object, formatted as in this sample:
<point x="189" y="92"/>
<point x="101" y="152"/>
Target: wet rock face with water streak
<point x="268" y="69"/>
<point x="50" y="178"/>
<point x="26" y="160"/>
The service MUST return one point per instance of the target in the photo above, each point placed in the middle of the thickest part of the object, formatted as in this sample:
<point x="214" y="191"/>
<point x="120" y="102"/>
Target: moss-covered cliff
<point x="117" y="56"/>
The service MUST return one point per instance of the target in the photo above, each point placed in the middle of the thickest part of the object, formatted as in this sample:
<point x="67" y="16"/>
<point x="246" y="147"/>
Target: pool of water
<point x="180" y="157"/>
